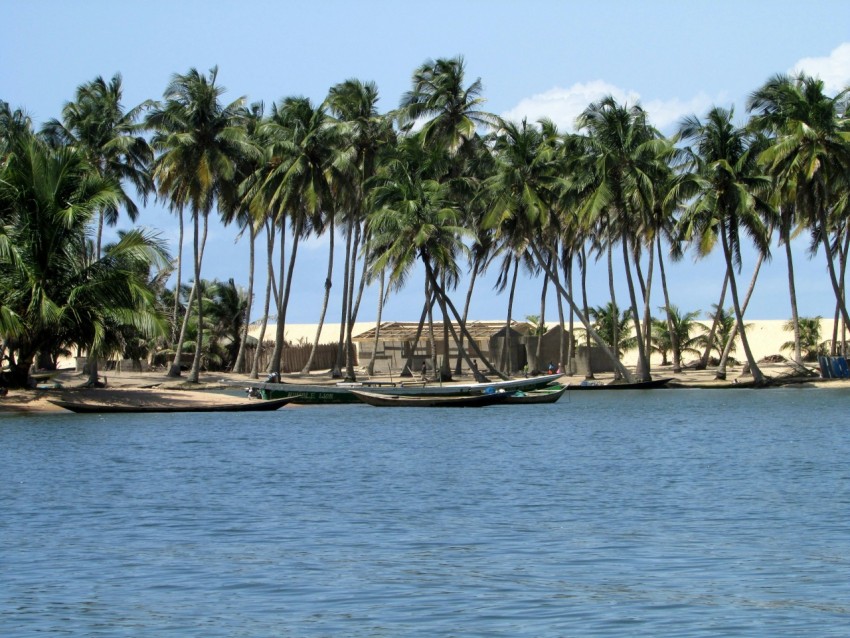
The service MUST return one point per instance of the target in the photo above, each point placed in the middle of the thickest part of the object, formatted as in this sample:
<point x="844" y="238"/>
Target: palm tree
<point x="665" y="341"/>
<point x="54" y="292"/>
<point x="199" y="140"/>
<point x="626" y="157"/>
<point x="612" y="326"/>
<point x="809" y="158"/>
<point x="521" y="196"/>
<point x="110" y="138"/>
<point x="810" y="337"/>
<point x="451" y="111"/>
<point x="363" y="134"/>
<point x="235" y="206"/>
<point x="412" y="220"/>
<point x="729" y="196"/>
<point x="294" y="185"/>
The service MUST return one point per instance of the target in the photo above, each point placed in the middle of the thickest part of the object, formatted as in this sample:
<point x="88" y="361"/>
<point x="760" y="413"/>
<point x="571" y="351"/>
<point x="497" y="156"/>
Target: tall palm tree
<point x="729" y="195"/>
<point x="363" y="133"/>
<point x="54" y="292"/>
<point x="294" y="185"/>
<point x="235" y="206"/>
<point x="521" y="195"/>
<point x="809" y="158"/>
<point x="111" y="138"/>
<point x="451" y="111"/>
<point x="199" y="141"/>
<point x="625" y="154"/>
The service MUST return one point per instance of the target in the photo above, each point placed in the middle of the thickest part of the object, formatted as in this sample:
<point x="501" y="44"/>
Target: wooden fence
<point x="294" y="357"/>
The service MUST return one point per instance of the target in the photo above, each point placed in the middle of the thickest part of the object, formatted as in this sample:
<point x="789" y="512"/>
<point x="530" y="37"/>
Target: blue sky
<point x="534" y="59"/>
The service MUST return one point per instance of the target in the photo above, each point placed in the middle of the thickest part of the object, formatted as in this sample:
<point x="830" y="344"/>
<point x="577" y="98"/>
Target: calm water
<point x="667" y="513"/>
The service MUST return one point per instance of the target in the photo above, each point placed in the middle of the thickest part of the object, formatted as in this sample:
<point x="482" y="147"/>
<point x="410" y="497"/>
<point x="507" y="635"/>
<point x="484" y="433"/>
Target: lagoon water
<point x="665" y="513"/>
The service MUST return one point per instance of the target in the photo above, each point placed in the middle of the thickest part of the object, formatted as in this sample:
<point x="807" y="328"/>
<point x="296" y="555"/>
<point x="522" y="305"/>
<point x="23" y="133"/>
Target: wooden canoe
<point x="544" y="395"/>
<point x="103" y="408"/>
<point x="464" y="401"/>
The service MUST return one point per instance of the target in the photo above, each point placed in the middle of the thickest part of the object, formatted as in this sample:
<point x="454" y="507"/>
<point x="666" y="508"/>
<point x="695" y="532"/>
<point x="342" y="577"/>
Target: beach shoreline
<point x="149" y="388"/>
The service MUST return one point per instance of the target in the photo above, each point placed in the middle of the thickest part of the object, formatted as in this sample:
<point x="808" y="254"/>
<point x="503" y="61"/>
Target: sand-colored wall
<point x="765" y="336"/>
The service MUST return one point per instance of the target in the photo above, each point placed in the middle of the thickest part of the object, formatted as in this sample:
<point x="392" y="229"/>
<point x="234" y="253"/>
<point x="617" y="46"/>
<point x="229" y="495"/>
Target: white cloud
<point x="563" y="106"/>
<point x="834" y="69"/>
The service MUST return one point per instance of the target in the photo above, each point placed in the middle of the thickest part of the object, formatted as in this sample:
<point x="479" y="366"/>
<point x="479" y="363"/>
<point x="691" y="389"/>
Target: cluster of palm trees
<point x="440" y="186"/>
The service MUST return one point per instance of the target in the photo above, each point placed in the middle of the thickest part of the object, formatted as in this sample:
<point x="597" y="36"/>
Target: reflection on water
<point x="686" y="513"/>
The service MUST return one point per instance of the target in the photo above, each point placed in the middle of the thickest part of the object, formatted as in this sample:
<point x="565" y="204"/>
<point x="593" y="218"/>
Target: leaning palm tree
<point x="111" y="138"/>
<point x="199" y="141"/>
<point x="413" y="220"/>
<point x="520" y="197"/>
<point x="729" y="195"/>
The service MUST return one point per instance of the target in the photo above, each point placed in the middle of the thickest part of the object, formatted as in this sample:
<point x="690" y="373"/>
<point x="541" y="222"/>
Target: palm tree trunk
<point x="733" y="334"/>
<point x="354" y="308"/>
<point x="432" y="341"/>
<point x="195" y="372"/>
<point x="281" y="318"/>
<point x="441" y="293"/>
<point x="586" y="309"/>
<point x="239" y="365"/>
<point x="476" y="263"/>
<point x="445" y="369"/>
<point x="836" y="287"/>
<point x="792" y="293"/>
<point x="507" y="359"/>
<point x="407" y="370"/>
<point x="582" y="317"/>
<point x="255" y="365"/>
<point x="647" y="291"/>
<point x="709" y="344"/>
<point x="643" y="362"/>
<point x="758" y="376"/>
<point x="280" y="327"/>
<point x="566" y="346"/>
<point x="328" y="285"/>
<point x="615" y="325"/>
<point x="538" y="354"/>
<point x="370" y="369"/>
<point x="674" y="337"/>
<point x="340" y="354"/>
<point x="176" y="311"/>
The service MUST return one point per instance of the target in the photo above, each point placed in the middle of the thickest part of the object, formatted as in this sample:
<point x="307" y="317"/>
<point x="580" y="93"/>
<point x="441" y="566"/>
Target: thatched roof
<point x="406" y="331"/>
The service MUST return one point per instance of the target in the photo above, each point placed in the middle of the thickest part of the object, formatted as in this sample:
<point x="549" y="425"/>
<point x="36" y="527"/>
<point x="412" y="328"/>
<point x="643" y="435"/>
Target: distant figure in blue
<point x="551" y="368"/>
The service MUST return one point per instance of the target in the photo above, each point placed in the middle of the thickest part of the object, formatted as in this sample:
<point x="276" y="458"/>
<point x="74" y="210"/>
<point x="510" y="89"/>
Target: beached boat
<point x="637" y="385"/>
<point x="458" y="401"/>
<point x="549" y="394"/>
<point x="90" y="407"/>
<point x="343" y="392"/>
